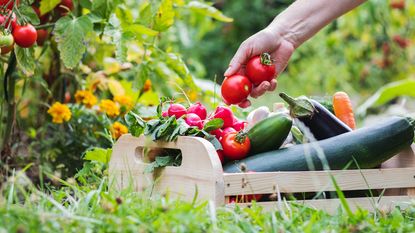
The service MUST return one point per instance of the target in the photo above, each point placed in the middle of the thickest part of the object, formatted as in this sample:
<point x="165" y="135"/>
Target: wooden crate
<point x="201" y="173"/>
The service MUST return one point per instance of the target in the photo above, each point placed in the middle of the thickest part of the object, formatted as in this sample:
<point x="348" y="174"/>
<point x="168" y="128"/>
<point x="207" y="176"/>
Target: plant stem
<point x="11" y="104"/>
<point x="47" y="25"/>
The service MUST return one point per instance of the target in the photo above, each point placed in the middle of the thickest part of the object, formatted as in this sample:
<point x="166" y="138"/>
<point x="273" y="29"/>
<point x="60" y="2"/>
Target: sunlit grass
<point x="95" y="208"/>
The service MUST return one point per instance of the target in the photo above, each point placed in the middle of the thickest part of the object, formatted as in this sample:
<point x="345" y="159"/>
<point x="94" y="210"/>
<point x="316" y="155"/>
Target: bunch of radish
<point x="196" y="115"/>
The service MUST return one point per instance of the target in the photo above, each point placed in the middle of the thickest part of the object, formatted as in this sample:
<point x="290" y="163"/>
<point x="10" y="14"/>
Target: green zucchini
<point x="369" y="147"/>
<point x="270" y="133"/>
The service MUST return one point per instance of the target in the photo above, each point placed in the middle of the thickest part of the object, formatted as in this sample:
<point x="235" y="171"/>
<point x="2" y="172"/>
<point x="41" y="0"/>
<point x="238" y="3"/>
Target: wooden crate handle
<point x="200" y="172"/>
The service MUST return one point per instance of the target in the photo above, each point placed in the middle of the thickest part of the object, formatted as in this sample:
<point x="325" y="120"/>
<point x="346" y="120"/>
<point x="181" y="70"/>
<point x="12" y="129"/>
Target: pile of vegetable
<point x="327" y="140"/>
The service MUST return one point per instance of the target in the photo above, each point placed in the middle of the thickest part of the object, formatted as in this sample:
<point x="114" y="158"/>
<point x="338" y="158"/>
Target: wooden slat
<point x="315" y="181"/>
<point x="386" y="203"/>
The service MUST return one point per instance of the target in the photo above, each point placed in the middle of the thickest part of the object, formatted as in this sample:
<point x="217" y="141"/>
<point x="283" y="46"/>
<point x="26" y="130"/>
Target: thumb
<point x="282" y="55"/>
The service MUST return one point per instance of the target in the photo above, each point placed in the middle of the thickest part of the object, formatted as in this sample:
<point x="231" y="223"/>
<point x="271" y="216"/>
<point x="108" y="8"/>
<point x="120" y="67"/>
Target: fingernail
<point x="227" y="71"/>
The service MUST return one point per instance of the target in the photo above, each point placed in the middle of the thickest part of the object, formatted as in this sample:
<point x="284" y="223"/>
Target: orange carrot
<point x="343" y="108"/>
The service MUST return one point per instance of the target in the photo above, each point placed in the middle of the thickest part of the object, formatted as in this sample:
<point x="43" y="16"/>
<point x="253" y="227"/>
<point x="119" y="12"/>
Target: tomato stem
<point x="266" y="59"/>
<point x="241" y="137"/>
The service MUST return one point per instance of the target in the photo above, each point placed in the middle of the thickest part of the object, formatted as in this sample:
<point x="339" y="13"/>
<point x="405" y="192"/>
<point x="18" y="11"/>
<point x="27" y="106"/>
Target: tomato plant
<point x="235" y="145"/>
<point x="260" y="69"/>
<point x="236" y="89"/>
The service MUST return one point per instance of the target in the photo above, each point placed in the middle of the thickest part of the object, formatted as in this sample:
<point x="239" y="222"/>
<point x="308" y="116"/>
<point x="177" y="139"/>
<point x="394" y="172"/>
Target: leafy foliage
<point x="71" y="34"/>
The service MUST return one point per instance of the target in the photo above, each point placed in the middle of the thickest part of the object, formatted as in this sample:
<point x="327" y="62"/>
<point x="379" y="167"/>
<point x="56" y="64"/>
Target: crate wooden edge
<point x="385" y="203"/>
<point x="210" y="183"/>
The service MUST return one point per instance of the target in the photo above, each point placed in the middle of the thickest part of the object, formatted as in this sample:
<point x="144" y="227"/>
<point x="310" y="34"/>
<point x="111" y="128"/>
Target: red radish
<point x="198" y="109"/>
<point x="194" y="120"/>
<point x="221" y="156"/>
<point x="225" y="114"/>
<point x="165" y="114"/>
<point x="176" y="110"/>
<point x="217" y="132"/>
<point x="227" y="130"/>
<point x="239" y="125"/>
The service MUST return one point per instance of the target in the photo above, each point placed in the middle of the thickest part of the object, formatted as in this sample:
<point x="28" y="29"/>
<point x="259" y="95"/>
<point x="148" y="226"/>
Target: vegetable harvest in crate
<point x="306" y="136"/>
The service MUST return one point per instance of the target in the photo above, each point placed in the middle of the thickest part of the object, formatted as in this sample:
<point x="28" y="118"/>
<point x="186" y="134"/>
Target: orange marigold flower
<point x="85" y="97"/>
<point x="109" y="107"/>
<point x="118" y="129"/>
<point x="147" y="85"/>
<point x="124" y="100"/>
<point x="60" y="113"/>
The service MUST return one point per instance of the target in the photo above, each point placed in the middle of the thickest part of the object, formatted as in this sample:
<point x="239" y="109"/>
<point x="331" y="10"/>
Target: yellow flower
<point x="85" y="97"/>
<point x="59" y="112"/>
<point x="118" y="129"/>
<point x="109" y="107"/>
<point x="124" y="100"/>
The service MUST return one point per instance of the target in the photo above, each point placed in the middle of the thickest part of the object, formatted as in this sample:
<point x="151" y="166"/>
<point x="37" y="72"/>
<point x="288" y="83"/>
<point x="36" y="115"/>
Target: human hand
<point x="267" y="41"/>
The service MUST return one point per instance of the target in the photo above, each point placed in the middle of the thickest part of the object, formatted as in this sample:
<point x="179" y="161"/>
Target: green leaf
<point x="28" y="15"/>
<point x="70" y="36"/>
<point x="213" y="124"/>
<point x="150" y="168"/>
<point x="149" y="98"/>
<point x="207" y="10"/>
<point x="163" y="161"/>
<point x="25" y="58"/>
<point x="387" y="93"/>
<point x="164" y="17"/>
<point x="48" y="5"/>
<point x="98" y="154"/>
<point x="118" y="37"/>
<point x="140" y="29"/>
<point x="103" y="8"/>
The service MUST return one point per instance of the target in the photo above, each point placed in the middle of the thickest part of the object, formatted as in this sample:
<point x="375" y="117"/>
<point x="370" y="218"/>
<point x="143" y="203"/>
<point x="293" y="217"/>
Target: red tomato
<point x="235" y="145"/>
<point x="25" y="36"/>
<point x="236" y="89"/>
<point x="397" y="4"/>
<point x="63" y="7"/>
<point x="42" y="36"/>
<point x="7" y="24"/>
<point x="260" y="68"/>
<point x="401" y="41"/>
<point x="9" y="5"/>
<point x="7" y="49"/>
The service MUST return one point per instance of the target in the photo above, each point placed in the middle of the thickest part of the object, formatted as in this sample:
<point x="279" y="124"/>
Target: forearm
<point x="304" y="18"/>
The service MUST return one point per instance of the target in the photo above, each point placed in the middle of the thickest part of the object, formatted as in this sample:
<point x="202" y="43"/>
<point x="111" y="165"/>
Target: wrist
<point x="284" y="31"/>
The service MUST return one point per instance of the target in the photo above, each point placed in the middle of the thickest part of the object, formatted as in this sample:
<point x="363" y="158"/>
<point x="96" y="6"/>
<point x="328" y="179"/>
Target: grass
<point x="94" y="208"/>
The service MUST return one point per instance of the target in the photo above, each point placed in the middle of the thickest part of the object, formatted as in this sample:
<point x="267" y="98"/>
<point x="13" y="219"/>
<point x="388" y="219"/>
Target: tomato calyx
<point x="241" y="136"/>
<point x="266" y="59"/>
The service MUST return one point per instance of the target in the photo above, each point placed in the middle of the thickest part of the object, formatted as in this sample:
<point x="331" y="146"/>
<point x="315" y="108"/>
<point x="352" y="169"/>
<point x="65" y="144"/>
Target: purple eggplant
<point x="320" y="121"/>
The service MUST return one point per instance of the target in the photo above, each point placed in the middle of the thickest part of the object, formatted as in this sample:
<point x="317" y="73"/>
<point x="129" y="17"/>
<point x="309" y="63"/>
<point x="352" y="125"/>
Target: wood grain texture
<point x="200" y="173"/>
<point x="315" y="181"/>
<point x="331" y="205"/>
